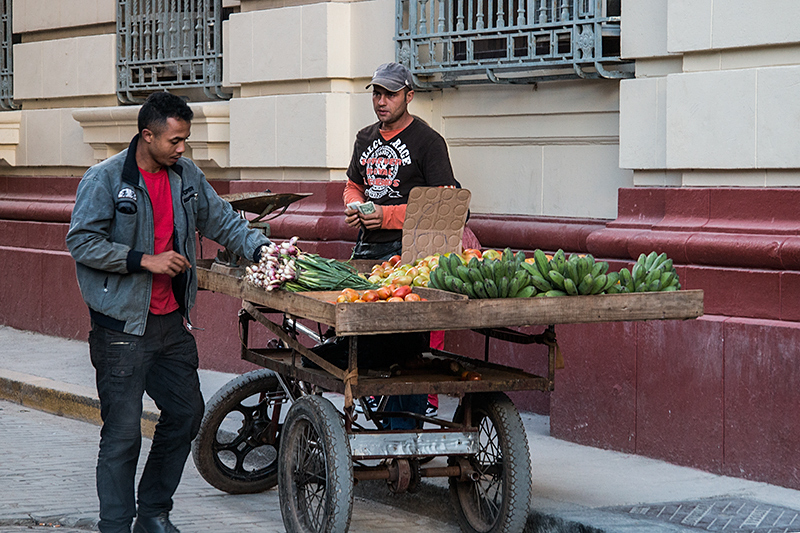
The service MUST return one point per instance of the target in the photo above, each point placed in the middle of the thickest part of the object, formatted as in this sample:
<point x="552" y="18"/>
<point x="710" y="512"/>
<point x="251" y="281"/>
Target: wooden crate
<point x="448" y="311"/>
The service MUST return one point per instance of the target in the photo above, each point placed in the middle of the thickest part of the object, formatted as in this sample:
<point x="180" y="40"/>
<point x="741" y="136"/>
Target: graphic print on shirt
<point x="381" y="163"/>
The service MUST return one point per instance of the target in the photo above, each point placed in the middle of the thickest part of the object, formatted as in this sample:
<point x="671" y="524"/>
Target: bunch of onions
<point x="277" y="266"/>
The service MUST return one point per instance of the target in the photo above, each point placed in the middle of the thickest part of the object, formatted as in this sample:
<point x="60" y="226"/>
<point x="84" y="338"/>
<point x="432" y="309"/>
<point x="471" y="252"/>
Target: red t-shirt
<point x="162" y="299"/>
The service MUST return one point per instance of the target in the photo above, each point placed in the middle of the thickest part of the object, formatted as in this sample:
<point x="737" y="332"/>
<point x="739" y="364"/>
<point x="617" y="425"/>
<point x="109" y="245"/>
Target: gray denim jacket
<point x="112" y="227"/>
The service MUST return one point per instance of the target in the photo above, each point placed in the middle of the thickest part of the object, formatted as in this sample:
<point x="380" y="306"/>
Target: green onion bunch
<point x="315" y="273"/>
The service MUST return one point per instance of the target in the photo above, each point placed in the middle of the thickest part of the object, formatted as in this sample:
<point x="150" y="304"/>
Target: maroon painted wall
<point x="717" y="393"/>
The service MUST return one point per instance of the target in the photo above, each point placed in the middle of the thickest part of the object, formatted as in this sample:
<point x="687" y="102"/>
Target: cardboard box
<point x="434" y="223"/>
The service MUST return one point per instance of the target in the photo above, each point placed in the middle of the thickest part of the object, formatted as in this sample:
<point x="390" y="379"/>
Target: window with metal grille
<point x="454" y="42"/>
<point x="6" y="57"/>
<point x="169" y="44"/>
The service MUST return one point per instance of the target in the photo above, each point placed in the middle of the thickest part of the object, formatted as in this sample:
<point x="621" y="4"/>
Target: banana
<point x="463" y="273"/>
<point x="612" y="279"/>
<point x="513" y="288"/>
<point x="638" y="273"/>
<point x="540" y="283"/>
<point x="503" y="287"/>
<point x="558" y="261"/>
<point x="671" y="288"/>
<point x="614" y="289"/>
<point x="491" y="288"/>
<point x="475" y="274"/>
<point x="666" y="278"/>
<point x="569" y="287"/>
<point x="624" y="276"/>
<point x="480" y="290"/>
<point x="508" y="255"/>
<point x="500" y="271"/>
<point x="519" y="257"/>
<point x="449" y="283"/>
<point x="641" y="287"/>
<point x="599" y="284"/>
<point x="523" y="277"/>
<point x="653" y="275"/>
<point x="473" y="262"/>
<point x="557" y="279"/>
<point x="555" y="292"/>
<point x="642" y="259"/>
<point x="469" y="290"/>
<point x="529" y="268"/>
<point x="542" y="264"/>
<point x="459" y="287"/>
<point x="659" y="260"/>
<point x="654" y="285"/>
<point x="571" y="271"/>
<point x="486" y="269"/>
<point x="584" y="267"/>
<point x="526" y="292"/>
<point x="651" y="257"/>
<point x="585" y="286"/>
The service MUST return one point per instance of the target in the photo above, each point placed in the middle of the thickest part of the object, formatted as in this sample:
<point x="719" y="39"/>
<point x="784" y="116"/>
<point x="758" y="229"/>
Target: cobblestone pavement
<point x="47" y="478"/>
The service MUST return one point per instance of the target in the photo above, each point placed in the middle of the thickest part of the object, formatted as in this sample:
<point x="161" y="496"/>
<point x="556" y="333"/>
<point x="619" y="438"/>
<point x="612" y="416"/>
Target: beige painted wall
<point x="714" y="102"/>
<point x="299" y="74"/>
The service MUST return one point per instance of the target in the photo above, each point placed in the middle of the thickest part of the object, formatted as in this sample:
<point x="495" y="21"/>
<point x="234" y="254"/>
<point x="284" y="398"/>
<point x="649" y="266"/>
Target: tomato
<point x="402" y="291"/>
<point x="394" y="260"/>
<point x="370" y="296"/>
<point x="384" y="292"/>
<point x="351" y="295"/>
<point x="412" y="297"/>
<point x="392" y="287"/>
<point x="395" y="299"/>
<point x="341" y="299"/>
<point x="471" y="252"/>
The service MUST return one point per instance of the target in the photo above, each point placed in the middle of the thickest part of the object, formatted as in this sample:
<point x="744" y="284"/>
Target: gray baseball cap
<point x="392" y="77"/>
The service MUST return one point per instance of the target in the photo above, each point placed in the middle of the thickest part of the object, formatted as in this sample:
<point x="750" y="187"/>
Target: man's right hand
<point x="351" y="217"/>
<point x="171" y="263"/>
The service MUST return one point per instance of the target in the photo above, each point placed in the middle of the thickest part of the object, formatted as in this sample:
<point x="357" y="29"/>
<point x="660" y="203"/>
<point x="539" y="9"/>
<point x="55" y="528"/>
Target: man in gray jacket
<point x="132" y="235"/>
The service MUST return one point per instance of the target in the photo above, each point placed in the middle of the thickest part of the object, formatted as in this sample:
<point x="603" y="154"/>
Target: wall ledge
<point x="109" y="130"/>
<point x="10" y="124"/>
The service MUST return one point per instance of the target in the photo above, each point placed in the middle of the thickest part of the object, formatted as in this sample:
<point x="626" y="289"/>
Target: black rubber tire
<point x="315" y="470"/>
<point x="499" y="501"/>
<point x="241" y="458"/>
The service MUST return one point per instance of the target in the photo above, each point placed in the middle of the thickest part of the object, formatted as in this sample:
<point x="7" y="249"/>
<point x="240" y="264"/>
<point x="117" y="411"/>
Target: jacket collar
<point x="130" y="170"/>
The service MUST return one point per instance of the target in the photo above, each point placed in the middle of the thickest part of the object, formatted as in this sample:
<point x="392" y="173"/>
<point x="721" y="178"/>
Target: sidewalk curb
<point x="62" y="399"/>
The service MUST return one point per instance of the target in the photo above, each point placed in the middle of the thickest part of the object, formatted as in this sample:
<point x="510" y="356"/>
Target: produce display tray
<point x="449" y="311"/>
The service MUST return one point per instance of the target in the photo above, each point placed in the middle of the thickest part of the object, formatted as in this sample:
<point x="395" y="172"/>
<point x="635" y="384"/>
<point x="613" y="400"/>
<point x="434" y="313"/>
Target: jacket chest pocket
<point x="124" y="226"/>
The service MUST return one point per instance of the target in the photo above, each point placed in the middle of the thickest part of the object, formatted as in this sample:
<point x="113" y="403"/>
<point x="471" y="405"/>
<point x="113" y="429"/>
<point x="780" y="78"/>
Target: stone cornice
<point x="108" y="130"/>
<point x="10" y="123"/>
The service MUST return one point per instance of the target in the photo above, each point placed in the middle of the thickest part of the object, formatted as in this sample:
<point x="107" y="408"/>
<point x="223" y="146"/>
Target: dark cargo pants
<point x="163" y="362"/>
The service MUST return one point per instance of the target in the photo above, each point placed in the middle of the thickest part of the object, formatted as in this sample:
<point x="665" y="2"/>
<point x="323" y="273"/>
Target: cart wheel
<point x="497" y="501"/>
<point x="236" y="449"/>
<point x="315" y="470"/>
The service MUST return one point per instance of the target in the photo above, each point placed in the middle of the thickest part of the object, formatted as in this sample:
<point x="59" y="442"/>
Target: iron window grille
<point x="169" y="44"/>
<point x="453" y="42"/>
<point x="6" y="57"/>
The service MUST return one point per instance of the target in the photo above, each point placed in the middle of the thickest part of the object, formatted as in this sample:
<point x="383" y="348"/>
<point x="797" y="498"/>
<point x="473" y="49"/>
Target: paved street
<point x="47" y="477"/>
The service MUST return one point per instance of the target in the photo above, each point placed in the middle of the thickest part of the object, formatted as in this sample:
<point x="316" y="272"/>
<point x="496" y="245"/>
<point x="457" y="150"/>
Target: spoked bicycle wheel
<point x="236" y="449"/>
<point x="497" y="500"/>
<point x="315" y="470"/>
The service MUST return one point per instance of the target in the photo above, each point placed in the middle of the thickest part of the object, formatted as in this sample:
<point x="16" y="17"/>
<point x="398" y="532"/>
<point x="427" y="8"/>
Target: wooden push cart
<point x="315" y="451"/>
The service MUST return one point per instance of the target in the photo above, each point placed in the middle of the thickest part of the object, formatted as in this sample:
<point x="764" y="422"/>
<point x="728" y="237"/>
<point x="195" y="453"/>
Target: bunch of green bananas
<point x="487" y="278"/>
<point x="578" y="275"/>
<point x="652" y="272"/>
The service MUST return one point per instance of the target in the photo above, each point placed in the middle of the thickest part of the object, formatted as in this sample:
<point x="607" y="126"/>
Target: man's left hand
<point x="373" y="220"/>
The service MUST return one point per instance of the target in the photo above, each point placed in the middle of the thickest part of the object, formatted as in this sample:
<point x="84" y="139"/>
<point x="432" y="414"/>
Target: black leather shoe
<point x="154" y="524"/>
